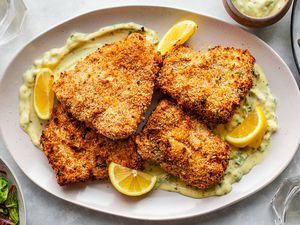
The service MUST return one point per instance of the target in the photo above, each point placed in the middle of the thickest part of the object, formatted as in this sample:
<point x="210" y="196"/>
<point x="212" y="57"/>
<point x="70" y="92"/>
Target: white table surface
<point x="43" y="208"/>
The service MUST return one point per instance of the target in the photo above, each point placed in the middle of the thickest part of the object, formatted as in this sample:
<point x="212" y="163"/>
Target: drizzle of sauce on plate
<point x="79" y="45"/>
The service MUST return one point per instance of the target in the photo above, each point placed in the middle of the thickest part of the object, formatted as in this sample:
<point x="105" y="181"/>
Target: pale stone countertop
<point x="43" y="208"/>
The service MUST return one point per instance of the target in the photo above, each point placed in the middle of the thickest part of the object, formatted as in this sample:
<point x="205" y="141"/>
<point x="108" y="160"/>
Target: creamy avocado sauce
<point x="58" y="60"/>
<point x="259" y="8"/>
<point x="241" y="160"/>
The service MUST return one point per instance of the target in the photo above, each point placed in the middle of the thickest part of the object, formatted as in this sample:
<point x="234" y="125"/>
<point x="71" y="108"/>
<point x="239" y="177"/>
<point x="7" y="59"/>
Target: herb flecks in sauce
<point x="79" y="45"/>
<point x="241" y="160"/>
<point x="259" y="8"/>
<point x="58" y="60"/>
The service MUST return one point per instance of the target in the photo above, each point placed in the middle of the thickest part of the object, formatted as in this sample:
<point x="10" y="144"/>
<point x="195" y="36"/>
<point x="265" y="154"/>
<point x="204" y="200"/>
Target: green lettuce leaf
<point x="3" y="189"/>
<point x="12" y="204"/>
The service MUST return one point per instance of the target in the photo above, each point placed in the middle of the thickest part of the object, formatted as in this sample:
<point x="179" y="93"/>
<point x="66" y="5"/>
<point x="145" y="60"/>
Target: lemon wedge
<point x="43" y="96"/>
<point x="129" y="181"/>
<point x="177" y="35"/>
<point x="251" y="131"/>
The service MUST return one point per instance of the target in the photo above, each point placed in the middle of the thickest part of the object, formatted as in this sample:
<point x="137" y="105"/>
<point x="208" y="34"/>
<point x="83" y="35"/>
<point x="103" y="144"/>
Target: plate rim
<point x="164" y="218"/>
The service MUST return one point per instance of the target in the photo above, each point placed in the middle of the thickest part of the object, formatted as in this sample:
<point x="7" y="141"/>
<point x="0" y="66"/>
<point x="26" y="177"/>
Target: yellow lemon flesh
<point x="43" y="96"/>
<point x="177" y="35"/>
<point x="251" y="131"/>
<point x="129" y="181"/>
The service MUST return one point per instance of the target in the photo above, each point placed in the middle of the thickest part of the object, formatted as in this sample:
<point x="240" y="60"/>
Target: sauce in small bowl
<point x="257" y="13"/>
<point x="6" y="172"/>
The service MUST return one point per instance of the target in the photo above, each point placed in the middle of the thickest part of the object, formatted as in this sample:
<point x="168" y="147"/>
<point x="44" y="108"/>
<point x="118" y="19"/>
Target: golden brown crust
<point x="183" y="146"/>
<point x="77" y="153"/>
<point x="211" y="84"/>
<point x="111" y="88"/>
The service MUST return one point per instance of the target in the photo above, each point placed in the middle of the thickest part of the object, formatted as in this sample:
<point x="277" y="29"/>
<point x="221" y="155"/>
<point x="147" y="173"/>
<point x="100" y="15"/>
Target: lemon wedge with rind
<point x="177" y="35"/>
<point x="130" y="182"/>
<point x="43" y="96"/>
<point x="251" y="131"/>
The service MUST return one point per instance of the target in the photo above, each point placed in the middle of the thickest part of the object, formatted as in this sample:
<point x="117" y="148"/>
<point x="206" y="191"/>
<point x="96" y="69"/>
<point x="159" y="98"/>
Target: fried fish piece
<point x="112" y="87"/>
<point x="212" y="84"/>
<point x="183" y="146"/>
<point x="77" y="153"/>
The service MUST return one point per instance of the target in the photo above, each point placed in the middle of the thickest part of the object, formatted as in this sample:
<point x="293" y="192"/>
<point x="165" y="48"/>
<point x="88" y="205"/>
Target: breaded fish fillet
<point x="183" y="146"/>
<point x="111" y="88"/>
<point x="77" y="153"/>
<point x="211" y="84"/>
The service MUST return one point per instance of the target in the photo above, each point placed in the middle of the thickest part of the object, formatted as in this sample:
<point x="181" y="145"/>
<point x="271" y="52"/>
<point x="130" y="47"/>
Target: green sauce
<point x="241" y="160"/>
<point x="259" y="8"/>
<point x="77" y="47"/>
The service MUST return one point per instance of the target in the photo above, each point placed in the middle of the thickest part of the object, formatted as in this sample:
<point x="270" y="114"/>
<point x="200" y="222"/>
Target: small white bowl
<point x="12" y="179"/>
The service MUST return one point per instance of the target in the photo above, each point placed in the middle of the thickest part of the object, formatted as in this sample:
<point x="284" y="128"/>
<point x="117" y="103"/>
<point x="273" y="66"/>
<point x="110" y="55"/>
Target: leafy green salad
<point x="9" y="208"/>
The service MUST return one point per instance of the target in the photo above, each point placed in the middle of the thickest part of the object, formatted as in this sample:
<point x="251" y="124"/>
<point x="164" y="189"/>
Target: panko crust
<point x="183" y="146"/>
<point x="212" y="85"/>
<point x="111" y="88"/>
<point x="78" y="153"/>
